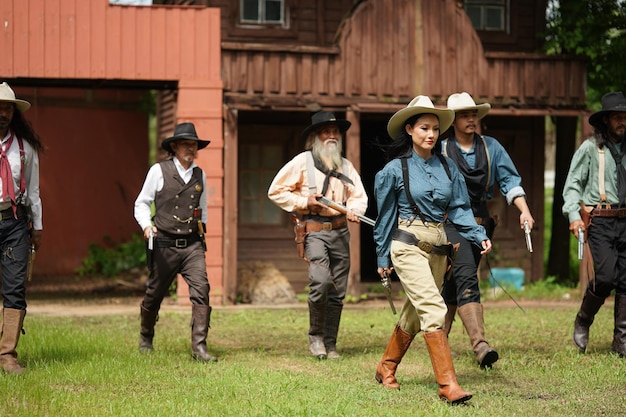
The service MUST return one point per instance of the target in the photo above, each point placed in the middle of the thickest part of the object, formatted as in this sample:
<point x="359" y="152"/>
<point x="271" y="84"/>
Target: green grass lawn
<point x="90" y="366"/>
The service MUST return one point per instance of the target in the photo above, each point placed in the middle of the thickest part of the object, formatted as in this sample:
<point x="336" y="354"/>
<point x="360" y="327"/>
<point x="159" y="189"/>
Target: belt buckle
<point x="425" y="246"/>
<point x="327" y="226"/>
<point x="181" y="243"/>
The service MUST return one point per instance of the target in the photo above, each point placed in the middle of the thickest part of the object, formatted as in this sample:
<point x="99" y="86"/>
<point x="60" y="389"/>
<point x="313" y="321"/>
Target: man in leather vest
<point x="175" y="236"/>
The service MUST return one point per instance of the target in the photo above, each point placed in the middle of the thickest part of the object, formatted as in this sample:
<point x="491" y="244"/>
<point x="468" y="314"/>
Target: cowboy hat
<point x="611" y="102"/>
<point x="184" y="131"/>
<point x="7" y="94"/>
<point x="463" y="101"/>
<point x="419" y="105"/>
<point x="322" y="118"/>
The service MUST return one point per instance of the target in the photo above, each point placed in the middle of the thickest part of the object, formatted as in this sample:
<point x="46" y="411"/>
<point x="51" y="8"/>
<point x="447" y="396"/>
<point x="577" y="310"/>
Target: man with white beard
<point x="321" y="171"/>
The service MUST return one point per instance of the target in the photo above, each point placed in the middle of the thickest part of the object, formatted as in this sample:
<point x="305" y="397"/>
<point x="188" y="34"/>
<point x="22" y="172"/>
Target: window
<point x="259" y="163"/>
<point x="262" y="12"/>
<point x="490" y="15"/>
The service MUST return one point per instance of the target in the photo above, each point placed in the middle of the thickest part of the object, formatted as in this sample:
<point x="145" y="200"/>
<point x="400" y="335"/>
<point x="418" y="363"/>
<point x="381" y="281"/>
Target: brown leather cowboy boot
<point x="11" y="328"/>
<point x="200" y="324"/>
<point x="441" y="359"/>
<point x="146" y="333"/>
<point x="588" y="309"/>
<point x="396" y="349"/>
<point x="472" y="317"/>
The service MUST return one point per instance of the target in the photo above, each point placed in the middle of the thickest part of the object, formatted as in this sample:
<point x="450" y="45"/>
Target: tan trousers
<point x="421" y="275"/>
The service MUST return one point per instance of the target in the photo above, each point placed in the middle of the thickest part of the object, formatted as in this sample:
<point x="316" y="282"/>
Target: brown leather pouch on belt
<point x="299" y="229"/>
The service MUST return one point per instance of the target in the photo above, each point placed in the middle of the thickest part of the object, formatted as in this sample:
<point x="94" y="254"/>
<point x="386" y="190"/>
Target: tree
<point x="595" y="29"/>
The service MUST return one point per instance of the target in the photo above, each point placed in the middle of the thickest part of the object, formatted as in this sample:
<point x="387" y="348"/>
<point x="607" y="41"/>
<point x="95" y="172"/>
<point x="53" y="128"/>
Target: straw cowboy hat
<point x="463" y="101"/>
<point x="419" y="105"/>
<point x="322" y="118"/>
<point x="611" y="102"/>
<point x="7" y="94"/>
<point x="184" y="131"/>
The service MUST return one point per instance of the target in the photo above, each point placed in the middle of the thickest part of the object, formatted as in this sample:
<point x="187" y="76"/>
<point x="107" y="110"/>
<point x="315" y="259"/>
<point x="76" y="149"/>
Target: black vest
<point x="177" y="204"/>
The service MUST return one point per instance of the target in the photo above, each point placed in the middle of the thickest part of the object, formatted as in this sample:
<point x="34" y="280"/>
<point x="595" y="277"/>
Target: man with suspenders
<point x="594" y="198"/>
<point x="483" y="161"/>
<point x="321" y="171"/>
<point x="20" y="218"/>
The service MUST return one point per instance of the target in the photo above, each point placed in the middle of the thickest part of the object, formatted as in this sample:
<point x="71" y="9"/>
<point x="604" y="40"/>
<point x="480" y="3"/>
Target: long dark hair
<point x="24" y="130"/>
<point x="402" y="145"/>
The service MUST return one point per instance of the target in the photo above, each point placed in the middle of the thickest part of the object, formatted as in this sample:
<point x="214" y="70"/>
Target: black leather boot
<point x="619" y="331"/>
<point x="333" y="317"/>
<point x="588" y="310"/>
<point x="317" y="325"/>
<point x="146" y="334"/>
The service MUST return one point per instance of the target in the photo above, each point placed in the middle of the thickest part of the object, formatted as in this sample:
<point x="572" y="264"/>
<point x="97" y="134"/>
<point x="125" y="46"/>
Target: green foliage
<point x="112" y="259"/>
<point x="595" y="29"/>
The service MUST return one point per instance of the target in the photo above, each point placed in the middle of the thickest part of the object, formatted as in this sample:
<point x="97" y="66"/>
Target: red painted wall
<point x="95" y="161"/>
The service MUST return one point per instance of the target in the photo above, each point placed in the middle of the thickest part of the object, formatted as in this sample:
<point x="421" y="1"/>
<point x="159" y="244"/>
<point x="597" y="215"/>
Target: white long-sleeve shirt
<point x="154" y="184"/>
<point x="31" y="176"/>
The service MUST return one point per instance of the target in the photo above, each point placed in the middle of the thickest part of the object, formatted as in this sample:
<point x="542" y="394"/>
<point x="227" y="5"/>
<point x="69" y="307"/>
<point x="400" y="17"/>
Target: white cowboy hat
<point x="463" y="101"/>
<point x="419" y="105"/>
<point x="7" y="94"/>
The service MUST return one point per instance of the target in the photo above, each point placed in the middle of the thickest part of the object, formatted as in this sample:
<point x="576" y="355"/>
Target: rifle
<point x="201" y="233"/>
<point x="529" y="242"/>
<point x="343" y="209"/>
<point x="386" y="282"/>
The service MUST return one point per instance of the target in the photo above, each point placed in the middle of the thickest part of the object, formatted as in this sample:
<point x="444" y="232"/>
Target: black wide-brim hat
<point x="322" y="118"/>
<point x="184" y="131"/>
<point x="611" y="102"/>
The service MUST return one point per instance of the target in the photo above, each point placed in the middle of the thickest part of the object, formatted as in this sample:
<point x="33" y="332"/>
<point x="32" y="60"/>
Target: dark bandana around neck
<point x="476" y="179"/>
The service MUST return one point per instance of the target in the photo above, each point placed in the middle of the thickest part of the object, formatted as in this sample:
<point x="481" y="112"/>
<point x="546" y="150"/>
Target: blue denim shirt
<point x="433" y="192"/>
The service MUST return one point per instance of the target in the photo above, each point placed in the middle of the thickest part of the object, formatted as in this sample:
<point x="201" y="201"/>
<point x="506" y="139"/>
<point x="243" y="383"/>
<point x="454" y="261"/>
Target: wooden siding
<point x="91" y="43"/>
<point x="390" y="54"/>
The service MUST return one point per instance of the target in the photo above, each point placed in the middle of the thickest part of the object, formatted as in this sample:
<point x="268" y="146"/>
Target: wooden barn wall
<point x="390" y="54"/>
<point x="90" y="42"/>
<point x="311" y="22"/>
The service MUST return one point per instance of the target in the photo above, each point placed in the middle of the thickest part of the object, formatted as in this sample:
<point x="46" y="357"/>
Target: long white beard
<point x="329" y="154"/>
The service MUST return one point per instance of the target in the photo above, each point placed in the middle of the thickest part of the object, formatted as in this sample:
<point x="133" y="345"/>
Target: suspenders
<point x="407" y="189"/>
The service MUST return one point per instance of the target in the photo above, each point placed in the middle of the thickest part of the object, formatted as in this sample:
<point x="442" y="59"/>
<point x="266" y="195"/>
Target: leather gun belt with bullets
<point x="325" y="223"/>
<point x="601" y="212"/>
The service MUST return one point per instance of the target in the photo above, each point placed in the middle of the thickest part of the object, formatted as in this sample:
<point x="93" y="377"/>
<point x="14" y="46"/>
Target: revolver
<point x="581" y="243"/>
<point x="529" y="242"/>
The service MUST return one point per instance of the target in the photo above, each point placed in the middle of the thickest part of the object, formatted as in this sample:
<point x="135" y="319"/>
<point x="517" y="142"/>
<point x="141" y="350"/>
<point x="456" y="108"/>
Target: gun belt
<point x="410" y="239"/>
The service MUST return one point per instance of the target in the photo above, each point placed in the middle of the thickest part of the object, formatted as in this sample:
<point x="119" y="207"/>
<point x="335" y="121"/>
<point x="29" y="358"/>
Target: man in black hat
<point x="20" y="218"/>
<point x="175" y="236"/>
<point x="322" y="171"/>
<point x="594" y="198"/>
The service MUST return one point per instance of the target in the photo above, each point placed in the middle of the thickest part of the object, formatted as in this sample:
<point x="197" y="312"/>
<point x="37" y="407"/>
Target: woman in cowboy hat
<point x="20" y="207"/>
<point x="602" y="203"/>
<point x="416" y="192"/>
<point x="483" y="162"/>
<point x="177" y="187"/>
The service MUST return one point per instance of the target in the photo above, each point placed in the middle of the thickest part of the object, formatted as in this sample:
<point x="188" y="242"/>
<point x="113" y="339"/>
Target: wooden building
<point x="250" y="79"/>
